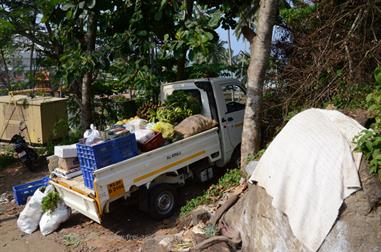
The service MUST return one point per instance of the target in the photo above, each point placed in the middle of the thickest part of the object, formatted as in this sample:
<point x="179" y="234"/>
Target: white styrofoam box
<point x="65" y="151"/>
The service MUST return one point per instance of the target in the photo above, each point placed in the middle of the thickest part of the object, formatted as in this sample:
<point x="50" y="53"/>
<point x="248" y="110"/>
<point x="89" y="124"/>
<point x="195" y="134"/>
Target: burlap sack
<point x="194" y="124"/>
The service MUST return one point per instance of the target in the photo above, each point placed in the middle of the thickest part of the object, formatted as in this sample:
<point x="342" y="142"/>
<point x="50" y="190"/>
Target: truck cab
<point x="222" y="100"/>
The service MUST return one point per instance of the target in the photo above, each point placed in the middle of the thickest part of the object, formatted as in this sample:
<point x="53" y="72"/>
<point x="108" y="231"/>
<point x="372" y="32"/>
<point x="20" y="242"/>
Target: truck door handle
<point x="229" y="119"/>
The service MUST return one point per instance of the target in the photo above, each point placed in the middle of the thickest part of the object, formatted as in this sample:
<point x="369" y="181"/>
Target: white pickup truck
<point x="154" y="175"/>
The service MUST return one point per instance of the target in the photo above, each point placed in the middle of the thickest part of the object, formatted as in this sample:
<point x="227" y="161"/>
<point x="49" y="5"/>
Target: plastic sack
<point x="194" y="124"/>
<point x="91" y="135"/>
<point x="31" y="214"/>
<point x="50" y="221"/>
<point x="135" y="124"/>
<point x="143" y="135"/>
<point x="166" y="130"/>
<point x="151" y="126"/>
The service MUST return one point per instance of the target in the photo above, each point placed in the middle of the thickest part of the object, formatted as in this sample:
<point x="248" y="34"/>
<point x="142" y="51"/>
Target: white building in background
<point x="18" y="64"/>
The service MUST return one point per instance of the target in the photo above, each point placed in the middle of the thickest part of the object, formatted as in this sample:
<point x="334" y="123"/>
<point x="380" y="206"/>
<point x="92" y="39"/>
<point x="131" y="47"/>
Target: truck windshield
<point x="194" y="94"/>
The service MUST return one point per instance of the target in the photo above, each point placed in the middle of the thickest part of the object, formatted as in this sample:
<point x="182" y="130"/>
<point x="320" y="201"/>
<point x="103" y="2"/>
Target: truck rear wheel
<point x="162" y="201"/>
<point x="235" y="160"/>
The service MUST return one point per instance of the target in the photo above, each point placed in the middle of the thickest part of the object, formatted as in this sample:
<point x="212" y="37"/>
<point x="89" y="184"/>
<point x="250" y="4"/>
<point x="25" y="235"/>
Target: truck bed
<point x="115" y="181"/>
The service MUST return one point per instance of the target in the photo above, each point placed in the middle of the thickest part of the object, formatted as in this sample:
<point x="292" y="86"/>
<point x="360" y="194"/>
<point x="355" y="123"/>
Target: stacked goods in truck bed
<point x="104" y="153"/>
<point x="68" y="163"/>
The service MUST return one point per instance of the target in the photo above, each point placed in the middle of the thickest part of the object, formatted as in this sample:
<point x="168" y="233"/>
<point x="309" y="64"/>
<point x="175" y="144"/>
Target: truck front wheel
<point x="162" y="201"/>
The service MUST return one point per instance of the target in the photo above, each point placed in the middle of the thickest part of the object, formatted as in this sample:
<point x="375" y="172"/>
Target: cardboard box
<point x="52" y="162"/>
<point x="65" y="151"/>
<point x="68" y="163"/>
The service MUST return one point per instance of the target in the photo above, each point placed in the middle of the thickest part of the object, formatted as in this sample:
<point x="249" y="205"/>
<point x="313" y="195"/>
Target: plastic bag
<point x="31" y="214"/>
<point x="50" y="221"/>
<point x="143" y="135"/>
<point x="92" y="135"/>
<point x="135" y="124"/>
<point x="151" y="126"/>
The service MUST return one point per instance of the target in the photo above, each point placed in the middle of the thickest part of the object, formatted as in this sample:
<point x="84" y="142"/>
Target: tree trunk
<point x="31" y="62"/>
<point x="86" y="108"/>
<point x="180" y="75"/>
<point x="6" y="68"/>
<point x="260" y="51"/>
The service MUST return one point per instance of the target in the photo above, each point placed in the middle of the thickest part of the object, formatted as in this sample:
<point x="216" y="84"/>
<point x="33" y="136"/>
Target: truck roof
<point x="217" y="80"/>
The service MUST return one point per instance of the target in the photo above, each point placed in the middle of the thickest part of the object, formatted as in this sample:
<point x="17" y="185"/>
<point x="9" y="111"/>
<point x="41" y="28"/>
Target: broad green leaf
<point x="215" y="20"/>
<point x="163" y="3"/>
<point x="209" y="35"/>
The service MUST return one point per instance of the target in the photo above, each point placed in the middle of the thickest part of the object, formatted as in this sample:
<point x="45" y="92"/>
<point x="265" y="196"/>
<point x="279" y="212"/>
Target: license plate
<point x="115" y="188"/>
<point x="21" y="154"/>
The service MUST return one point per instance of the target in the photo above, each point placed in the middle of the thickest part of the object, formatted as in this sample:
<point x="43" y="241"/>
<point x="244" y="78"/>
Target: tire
<point x="235" y="160"/>
<point x="162" y="201"/>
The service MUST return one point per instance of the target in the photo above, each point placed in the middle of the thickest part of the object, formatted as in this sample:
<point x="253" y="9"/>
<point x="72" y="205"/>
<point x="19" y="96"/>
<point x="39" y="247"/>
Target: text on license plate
<point x="115" y="188"/>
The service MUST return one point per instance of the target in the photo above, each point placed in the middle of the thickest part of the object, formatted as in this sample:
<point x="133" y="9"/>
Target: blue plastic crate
<point x="100" y="155"/>
<point x="88" y="178"/>
<point x="22" y="192"/>
<point x="124" y="148"/>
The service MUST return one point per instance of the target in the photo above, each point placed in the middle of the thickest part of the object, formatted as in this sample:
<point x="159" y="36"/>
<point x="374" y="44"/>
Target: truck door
<point x="234" y="101"/>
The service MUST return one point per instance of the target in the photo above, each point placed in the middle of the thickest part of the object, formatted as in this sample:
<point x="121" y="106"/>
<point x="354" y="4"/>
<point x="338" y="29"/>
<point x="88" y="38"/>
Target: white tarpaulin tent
<point x="309" y="169"/>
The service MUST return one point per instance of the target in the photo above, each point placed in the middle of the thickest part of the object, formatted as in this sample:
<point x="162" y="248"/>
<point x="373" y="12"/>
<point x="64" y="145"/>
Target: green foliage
<point x="72" y="240"/>
<point x="59" y="127"/>
<point x="210" y="230"/>
<point x="172" y="115"/>
<point x="197" y="33"/>
<point x="72" y="138"/>
<point x="183" y="100"/>
<point x="350" y="96"/>
<point x="369" y="141"/>
<point x="298" y="14"/>
<point x="257" y="156"/>
<point x="230" y="179"/>
<point x="110" y="109"/>
<point x="147" y="110"/>
<point x="7" y="157"/>
<point x="178" y="106"/>
<point x="50" y="202"/>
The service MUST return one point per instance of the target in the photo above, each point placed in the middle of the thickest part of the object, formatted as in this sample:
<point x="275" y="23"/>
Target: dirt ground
<point x="122" y="230"/>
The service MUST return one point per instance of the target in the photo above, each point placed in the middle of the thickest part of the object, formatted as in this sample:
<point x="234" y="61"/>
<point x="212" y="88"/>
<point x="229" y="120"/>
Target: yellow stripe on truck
<point x="164" y="168"/>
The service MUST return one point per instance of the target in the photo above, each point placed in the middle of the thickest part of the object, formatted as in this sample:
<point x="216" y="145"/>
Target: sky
<point x="237" y="45"/>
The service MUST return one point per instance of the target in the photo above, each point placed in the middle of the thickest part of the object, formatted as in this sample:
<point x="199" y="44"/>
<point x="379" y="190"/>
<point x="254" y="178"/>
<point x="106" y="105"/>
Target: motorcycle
<point x="28" y="157"/>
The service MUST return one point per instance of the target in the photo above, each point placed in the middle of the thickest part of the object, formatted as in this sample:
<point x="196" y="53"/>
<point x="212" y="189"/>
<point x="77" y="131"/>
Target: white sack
<point x="31" y="214"/>
<point x="135" y="124"/>
<point x="50" y="221"/>
<point x="309" y="169"/>
<point x="143" y="135"/>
